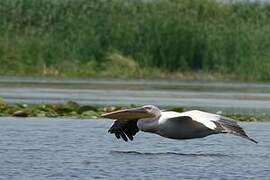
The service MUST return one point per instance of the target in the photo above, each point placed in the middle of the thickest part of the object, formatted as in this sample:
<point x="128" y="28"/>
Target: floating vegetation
<point x="241" y="117"/>
<point x="73" y="109"/>
<point x="68" y="109"/>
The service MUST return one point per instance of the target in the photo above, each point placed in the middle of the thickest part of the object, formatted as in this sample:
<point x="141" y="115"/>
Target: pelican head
<point x="144" y="112"/>
<point x="151" y="109"/>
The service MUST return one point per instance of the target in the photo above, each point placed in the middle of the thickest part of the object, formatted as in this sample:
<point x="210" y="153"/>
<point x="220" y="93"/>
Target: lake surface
<point x="63" y="149"/>
<point x="251" y="98"/>
<point x="43" y="148"/>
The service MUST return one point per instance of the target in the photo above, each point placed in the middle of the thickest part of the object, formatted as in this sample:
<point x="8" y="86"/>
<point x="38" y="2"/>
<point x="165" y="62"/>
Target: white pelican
<point x="169" y="124"/>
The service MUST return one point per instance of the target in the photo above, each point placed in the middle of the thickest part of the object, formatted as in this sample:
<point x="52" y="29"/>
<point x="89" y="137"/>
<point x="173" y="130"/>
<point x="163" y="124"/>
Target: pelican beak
<point x="128" y="114"/>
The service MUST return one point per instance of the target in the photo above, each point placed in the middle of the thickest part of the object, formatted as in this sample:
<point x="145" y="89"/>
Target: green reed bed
<point x="156" y="39"/>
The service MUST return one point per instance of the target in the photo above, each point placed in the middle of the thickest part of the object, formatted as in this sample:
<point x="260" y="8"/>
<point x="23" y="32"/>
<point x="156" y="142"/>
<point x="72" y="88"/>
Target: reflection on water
<point x="168" y="153"/>
<point x="42" y="148"/>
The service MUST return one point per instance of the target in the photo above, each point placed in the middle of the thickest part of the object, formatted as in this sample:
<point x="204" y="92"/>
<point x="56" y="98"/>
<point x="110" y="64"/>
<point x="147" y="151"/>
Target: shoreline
<point x="39" y="79"/>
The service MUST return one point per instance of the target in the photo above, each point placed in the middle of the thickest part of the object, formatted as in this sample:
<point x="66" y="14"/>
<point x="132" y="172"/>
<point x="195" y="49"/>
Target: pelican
<point x="169" y="124"/>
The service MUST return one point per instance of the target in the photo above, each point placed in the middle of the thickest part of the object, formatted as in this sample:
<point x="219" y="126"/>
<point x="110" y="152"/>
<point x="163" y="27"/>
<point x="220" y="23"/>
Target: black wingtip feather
<point x="231" y="126"/>
<point x="256" y="142"/>
<point x="124" y="129"/>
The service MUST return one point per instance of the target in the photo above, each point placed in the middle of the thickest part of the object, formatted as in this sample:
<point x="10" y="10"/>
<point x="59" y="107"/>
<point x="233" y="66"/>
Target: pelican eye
<point x="147" y="108"/>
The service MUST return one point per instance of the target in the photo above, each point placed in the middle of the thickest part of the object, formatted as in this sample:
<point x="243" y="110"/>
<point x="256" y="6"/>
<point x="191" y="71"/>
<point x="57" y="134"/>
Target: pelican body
<point x="169" y="124"/>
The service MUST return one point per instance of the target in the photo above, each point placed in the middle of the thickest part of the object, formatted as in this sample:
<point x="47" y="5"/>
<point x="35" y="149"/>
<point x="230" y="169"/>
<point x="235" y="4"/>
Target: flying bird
<point x="186" y="125"/>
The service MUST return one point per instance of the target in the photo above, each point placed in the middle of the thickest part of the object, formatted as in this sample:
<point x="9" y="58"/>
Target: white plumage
<point x="202" y="117"/>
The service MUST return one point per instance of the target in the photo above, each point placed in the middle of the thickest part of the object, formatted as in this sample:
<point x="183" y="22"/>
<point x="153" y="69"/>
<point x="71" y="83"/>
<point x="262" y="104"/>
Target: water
<point x="42" y="148"/>
<point x="251" y="98"/>
<point x="66" y="149"/>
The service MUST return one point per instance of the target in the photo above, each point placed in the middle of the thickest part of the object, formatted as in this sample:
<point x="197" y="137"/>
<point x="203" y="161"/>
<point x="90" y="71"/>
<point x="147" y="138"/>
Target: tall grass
<point x="44" y="37"/>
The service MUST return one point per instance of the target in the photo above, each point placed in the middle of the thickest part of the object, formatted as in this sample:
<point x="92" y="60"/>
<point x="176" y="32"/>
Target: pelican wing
<point x="217" y="123"/>
<point x="125" y="129"/>
<point x="203" y="118"/>
<point x="186" y="122"/>
<point x="185" y="127"/>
